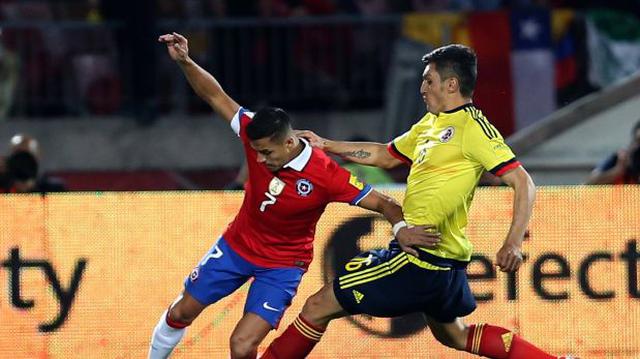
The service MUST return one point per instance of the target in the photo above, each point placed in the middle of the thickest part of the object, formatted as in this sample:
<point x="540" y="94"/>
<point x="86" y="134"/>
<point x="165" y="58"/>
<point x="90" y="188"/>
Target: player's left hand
<point x="312" y="137"/>
<point x="417" y="236"/>
<point x="177" y="46"/>
<point x="509" y="257"/>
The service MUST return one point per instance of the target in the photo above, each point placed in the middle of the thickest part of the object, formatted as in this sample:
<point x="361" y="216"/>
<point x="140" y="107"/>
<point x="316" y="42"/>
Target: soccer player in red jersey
<point x="271" y="239"/>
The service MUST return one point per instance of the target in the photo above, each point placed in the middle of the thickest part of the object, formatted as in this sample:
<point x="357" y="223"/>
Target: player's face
<point x="272" y="153"/>
<point x="432" y="90"/>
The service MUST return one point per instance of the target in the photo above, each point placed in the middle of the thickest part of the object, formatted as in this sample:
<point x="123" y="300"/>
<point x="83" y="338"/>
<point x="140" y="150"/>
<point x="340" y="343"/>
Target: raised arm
<point x="366" y="153"/>
<point x="202" y="82"/>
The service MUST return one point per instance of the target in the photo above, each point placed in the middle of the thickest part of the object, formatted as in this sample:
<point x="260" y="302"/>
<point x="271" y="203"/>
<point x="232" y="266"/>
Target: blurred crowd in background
<point x="101" y="10"/>
<point x="94" y="57"/>
<point x="99" y="59"/>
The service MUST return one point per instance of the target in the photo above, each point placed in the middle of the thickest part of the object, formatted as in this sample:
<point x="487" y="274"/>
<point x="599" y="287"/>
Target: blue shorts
<point x="391" y="283"/>
<point x="221" y="271"/>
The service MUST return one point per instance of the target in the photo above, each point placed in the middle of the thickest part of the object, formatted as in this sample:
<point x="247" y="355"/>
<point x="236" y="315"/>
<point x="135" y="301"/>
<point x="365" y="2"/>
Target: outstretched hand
<point x="314" y="140"/>
<point x="418" y="236"/>
<point x="177" y="46"/>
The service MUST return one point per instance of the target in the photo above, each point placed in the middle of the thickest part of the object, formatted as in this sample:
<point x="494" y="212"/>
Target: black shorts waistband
<point x="441" y="262"/>
<point x="394" y="247"/>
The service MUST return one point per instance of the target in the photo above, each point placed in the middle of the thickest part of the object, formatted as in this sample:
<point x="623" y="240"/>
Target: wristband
<point x="397" y="227"/>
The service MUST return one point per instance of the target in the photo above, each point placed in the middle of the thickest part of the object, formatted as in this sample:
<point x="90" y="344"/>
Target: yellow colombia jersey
<point x="448" y="154"/>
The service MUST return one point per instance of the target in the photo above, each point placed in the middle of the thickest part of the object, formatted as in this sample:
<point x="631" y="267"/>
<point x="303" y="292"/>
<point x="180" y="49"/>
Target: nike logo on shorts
<point x="266" y="306"/>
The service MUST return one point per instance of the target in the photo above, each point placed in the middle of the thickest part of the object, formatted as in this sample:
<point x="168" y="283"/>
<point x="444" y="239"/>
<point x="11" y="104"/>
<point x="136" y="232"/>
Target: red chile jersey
<point x="276" y="224"/>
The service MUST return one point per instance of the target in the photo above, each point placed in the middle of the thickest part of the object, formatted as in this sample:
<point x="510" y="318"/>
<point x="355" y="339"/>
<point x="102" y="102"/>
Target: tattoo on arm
<point x="356" y="154"/>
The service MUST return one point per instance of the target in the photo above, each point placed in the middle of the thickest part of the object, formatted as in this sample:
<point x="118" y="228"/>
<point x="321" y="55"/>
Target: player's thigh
<point x="379" y="283"/>
<point x="455" y="299"/>
<point x="272" y="291"/>
<point x="219" y="273"/>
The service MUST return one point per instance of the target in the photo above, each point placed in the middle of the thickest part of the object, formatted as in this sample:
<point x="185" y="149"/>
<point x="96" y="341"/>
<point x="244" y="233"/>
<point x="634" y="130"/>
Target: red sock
<point x="295" y="342"/>
<point x="499" y="343"/>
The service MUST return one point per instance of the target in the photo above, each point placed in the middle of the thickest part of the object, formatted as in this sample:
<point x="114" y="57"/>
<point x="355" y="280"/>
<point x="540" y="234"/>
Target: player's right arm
<point x="408" y="237"/>
<point x="366" y="153"/>
<point x="483" y="144"/>
<point x="202" y="82"/>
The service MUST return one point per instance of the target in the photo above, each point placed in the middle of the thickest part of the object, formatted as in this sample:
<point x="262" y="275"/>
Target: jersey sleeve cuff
<point x="365" y="192"/>
<point x="505" y="167"/>
<point x="393" y="150"/>
<point x="235" y="121"/>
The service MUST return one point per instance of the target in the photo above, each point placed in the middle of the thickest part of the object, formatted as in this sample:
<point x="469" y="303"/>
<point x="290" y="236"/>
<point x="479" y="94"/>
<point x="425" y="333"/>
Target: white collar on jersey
<point x="302" y="159"/>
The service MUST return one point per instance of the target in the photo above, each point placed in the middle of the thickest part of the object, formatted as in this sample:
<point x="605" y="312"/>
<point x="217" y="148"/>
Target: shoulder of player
<point x="321" y="165"/>
<point x="319" y="160"/>
<point x="423" y="124"/>
<point x="476" y="124"/>
<point x="426" y="120"/>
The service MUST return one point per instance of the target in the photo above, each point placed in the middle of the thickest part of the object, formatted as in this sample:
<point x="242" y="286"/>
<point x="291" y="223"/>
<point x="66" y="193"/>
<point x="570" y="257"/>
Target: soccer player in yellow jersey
<point x="448" y="150"/>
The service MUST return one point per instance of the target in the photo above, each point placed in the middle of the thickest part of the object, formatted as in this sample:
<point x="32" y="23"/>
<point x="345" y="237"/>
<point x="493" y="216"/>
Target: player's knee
<point x="181" y="315"/>
<point x="457" y="343"/>
<point x="242" y="345"/>
<point x="312" y="309"/>
<point x="451" y="342"/>
<point x="455" y="340"/>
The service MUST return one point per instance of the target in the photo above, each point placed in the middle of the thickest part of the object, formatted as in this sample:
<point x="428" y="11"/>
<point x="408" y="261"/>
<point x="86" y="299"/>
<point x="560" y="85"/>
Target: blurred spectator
<point x="369" y="60"/>
<point x="368" y="174"/>
<point x="622" y="167"/>
<point x="93" y="13"/>
<point x="22" y="166"/>
<point x="202" y="9"/>
<point x="273" y="8"/>
<point x="476" y="5"/>
<point x="98" y="83"/>
<point x="312" y="7"/>
<point x="430" y="5"/>
<point x="215" y="8"/>
<point x="372" y="7"/>
<point x="319" y="52"/>
<point x="136" y="48"/>
<point x="42" y="57"/>
<point x="241" y="8"/>
<point x="456" y="5"/>
<point x="8" y="78"/>
<point x="170" y="9"/>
